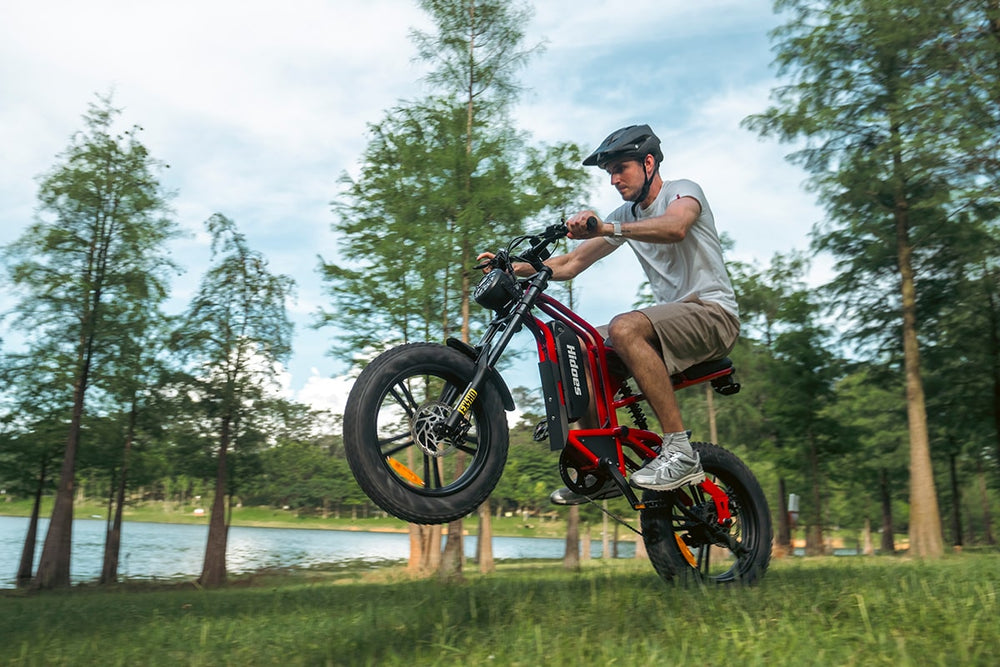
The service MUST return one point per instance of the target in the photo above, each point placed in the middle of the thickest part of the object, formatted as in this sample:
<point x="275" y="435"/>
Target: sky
<point x="259" y="108"/>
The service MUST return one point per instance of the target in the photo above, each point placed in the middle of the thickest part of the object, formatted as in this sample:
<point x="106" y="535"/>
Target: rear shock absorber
<point x="634" y="409"/>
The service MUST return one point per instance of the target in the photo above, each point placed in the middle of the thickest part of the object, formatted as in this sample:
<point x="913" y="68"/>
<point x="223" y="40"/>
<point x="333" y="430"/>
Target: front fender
<point x="498" y="382"/>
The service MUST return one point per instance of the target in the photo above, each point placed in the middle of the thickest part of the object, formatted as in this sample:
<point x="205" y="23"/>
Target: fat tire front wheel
<point x="683" y="538"/>
<point x="393" y="449"/>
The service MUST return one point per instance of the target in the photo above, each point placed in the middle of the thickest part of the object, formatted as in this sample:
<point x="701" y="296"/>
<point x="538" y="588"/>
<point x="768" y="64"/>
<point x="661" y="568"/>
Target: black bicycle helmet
<point x="634" y="141"/>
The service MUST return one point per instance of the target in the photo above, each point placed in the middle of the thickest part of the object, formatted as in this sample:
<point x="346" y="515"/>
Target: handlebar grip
<point x="591" y="223"/>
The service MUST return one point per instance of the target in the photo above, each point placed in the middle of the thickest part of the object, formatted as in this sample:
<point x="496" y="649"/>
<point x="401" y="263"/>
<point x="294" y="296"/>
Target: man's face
<point x="628" y="177"/>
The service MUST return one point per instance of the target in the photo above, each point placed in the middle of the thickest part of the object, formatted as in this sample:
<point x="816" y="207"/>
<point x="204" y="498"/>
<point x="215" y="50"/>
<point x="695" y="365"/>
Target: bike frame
<point x="612" y="449"/>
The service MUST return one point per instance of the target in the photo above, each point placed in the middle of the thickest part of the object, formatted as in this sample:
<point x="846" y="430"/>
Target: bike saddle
<point x="718" y="371"/>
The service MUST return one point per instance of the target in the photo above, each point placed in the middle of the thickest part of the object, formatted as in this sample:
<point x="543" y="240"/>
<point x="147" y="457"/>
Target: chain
<point x="614" y="516"/>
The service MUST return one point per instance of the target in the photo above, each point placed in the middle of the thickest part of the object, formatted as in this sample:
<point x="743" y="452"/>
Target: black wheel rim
<point x="412" y="456"/>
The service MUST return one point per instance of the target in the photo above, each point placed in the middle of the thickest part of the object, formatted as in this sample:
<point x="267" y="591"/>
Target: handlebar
<point x="539" y="251"/>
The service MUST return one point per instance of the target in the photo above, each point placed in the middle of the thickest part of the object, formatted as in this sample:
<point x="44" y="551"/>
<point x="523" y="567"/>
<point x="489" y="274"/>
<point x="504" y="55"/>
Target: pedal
<point x="612" y="469"/>
<point x="541" y="432"/>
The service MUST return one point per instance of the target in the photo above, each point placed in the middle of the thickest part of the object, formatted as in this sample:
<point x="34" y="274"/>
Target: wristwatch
<point x="618" y="229"/>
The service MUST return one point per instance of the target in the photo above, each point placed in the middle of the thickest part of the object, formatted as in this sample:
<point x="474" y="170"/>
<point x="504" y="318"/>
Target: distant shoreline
<point x="263" y="517"/>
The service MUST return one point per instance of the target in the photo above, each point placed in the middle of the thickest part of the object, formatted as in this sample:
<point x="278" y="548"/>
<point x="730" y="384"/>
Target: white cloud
<point x="258" y="107"/>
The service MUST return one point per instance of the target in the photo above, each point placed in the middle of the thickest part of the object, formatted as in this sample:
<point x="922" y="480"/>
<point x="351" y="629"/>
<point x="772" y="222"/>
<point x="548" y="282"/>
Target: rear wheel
<point x="686" y="542"/>
<point x="394" y="449"/>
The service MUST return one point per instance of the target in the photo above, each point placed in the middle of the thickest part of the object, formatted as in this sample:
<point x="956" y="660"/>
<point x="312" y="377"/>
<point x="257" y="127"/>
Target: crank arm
<point x="612" y="469"/>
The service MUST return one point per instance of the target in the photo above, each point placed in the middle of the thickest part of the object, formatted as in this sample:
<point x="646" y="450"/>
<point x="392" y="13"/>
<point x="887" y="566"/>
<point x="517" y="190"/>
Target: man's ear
<point x="650" y="165"/>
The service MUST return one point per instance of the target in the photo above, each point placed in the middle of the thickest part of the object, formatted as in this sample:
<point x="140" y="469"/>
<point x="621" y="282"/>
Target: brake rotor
<point x="425" y="431"/>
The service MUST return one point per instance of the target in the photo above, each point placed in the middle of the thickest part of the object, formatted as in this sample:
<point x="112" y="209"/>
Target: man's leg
<point x="636" y="342"/>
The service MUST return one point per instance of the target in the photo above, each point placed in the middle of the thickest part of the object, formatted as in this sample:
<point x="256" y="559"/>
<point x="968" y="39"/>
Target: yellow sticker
<point x="466" y="403"/>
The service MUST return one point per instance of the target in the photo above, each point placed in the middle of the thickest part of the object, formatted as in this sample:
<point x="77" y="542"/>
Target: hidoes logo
<point x="574" y="369"/>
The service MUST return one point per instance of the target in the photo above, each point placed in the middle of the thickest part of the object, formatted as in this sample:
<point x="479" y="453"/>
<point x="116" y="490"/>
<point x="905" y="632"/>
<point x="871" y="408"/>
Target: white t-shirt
<point x="690" y="268"/>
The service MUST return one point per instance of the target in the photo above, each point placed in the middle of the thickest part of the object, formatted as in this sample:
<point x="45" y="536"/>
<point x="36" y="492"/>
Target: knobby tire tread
<point x="658" y="529"/>
<point x="361" y="442"/>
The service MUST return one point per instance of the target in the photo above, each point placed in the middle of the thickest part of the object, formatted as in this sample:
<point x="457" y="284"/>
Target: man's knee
<point x="629" y="327"/>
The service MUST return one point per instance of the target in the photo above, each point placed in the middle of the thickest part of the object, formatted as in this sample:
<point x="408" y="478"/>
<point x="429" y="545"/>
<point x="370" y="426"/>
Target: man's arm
<point x="570" y="265"/>
<point x="671" y="227"/>
<point x="567" y="266"/>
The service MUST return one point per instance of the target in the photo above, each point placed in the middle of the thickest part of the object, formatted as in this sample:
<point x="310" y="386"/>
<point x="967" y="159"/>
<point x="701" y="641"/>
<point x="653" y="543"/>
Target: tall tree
<point x="139" y="345"/>
<point x="442" y="179"/>
<point x="476" y="53"/>
<point x="871" y="90"/>
<point x="96" y="245"/>
<point x="235" y="331"/>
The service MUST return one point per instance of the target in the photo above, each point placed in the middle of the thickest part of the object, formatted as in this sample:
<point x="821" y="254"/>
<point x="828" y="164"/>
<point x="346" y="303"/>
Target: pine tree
<point x="96" y="247"/>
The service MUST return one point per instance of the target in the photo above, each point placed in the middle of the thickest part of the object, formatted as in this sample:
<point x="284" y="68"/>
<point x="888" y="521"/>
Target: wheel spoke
<point x="473" y="440"/>
<point x="401" y="393"/>
<point x="391" y="445"/>
<point x="434" y="475"/>
<point x="449" y="393"/>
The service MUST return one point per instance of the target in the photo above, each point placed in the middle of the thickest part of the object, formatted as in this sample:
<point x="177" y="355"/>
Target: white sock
<point x="678" y="442"/>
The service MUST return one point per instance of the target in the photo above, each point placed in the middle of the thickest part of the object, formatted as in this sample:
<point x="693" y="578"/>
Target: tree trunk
<point x="713" y="430"/>
<point x="453" y="554"/>
<point x="956" y="503"/>
<point x="28" y="552"/>
<point x="213" y="572"/>
<point x="925" y="520"/>
<point x="571" y="559"/>
<point x="867" y="545"/>
<point x="53" y="566"/>
<point x="415" y="562"/>
<point x="784" y="541"/>
<point x="425" y="549"/>
<point x="888" y="545"/>
<point x="112" y="543"/>
<point x="484" y="541"/>
<point x="585" y="542"/>
<point x="640" y="549"/>
<point x="814" y="531"/>
<point x="432" y="548"/>
<point x="605" y="536"/>
<point x="984" y="497"/>
<point x="994" y="318"/>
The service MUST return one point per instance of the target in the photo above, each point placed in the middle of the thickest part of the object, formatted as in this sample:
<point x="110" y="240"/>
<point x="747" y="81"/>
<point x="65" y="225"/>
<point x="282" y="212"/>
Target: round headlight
<point x="496" y="290"/>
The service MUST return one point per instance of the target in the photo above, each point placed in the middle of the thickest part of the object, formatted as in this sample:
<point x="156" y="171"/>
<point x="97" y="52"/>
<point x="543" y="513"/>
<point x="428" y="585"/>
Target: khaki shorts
<point x="690" y="332"/>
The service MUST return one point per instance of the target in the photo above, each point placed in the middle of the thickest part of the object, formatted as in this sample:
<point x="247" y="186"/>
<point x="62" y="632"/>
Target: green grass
<point x="829" y="611"/>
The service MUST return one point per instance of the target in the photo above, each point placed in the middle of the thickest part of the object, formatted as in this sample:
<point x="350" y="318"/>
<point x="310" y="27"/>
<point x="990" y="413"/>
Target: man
<point x="670" y="227"/>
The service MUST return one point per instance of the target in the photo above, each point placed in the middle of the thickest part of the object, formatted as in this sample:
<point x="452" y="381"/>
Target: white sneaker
<point x="671" y="469"/>
<point x="564" y="496"/>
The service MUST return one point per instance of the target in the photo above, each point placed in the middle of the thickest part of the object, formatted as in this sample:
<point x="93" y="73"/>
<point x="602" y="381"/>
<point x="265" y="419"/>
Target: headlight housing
<point x="496" y="291"/>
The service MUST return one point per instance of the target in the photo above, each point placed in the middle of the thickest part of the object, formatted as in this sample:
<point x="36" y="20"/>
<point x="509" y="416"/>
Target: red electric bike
<point x="426" y="437"/>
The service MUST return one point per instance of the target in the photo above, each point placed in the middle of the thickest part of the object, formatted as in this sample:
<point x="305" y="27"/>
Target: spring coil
<point x="634" y="409"/>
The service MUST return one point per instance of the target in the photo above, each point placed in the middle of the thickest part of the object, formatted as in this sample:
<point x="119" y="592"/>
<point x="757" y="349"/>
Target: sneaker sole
<point x="690" y="478"/>
<point x="580" y="500"/>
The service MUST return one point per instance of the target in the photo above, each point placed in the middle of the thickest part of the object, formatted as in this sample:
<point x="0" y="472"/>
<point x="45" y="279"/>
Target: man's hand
<point x="579" y="229"/>
<point x="522" y="269"/>
<point x="488" y="258"/>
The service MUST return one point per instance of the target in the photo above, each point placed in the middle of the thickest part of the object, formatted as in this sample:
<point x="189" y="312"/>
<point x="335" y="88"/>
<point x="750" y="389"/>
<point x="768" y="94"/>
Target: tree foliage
<point x="233" y="333"/>
<point x="95" y="250"/>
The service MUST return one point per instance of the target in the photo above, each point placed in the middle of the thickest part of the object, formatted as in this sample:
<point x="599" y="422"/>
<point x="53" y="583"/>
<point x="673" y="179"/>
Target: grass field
<point x="829" y="611"/>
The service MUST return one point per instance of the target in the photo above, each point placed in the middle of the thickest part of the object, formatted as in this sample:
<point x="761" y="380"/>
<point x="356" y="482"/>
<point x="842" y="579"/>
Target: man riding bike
<point x="671" y="229"/>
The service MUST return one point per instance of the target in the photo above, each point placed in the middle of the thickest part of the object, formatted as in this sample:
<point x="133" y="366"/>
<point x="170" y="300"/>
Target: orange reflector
<point x="685" y="551"/>
<point x="405" y="472"/>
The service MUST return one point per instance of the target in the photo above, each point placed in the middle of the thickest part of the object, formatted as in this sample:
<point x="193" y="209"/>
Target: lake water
<point x="173" y="551"/>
